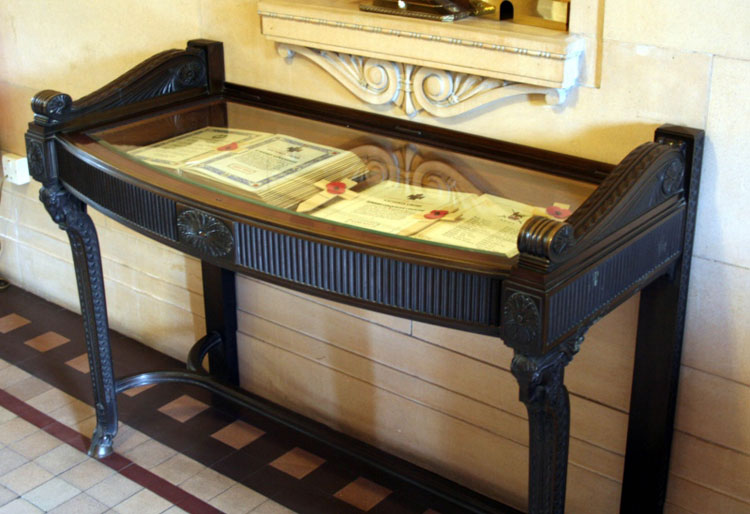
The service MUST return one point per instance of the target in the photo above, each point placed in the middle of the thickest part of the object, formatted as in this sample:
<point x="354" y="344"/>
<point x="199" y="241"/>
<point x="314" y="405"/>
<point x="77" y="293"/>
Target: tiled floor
<point x="178" y="449"/>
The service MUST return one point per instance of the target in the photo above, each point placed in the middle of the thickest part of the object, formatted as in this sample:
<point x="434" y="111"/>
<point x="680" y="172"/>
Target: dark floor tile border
<point x="117" y="462"/>
<point x="248" y="466"/>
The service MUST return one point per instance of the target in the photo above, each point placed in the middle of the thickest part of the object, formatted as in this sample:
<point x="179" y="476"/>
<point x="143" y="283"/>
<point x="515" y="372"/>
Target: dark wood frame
<point x="634" y="233"/>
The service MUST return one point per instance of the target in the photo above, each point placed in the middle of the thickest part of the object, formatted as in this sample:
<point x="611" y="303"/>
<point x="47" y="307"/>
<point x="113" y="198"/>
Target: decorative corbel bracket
<point x="412" y="88"/>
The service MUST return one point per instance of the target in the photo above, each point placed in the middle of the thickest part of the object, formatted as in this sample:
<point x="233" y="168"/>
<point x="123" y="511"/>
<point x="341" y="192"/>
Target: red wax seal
<point x="558" y="212"/>
<point x="435" y="214"/>
<point x="336" y="188"/>
<point x="230" y="146"/>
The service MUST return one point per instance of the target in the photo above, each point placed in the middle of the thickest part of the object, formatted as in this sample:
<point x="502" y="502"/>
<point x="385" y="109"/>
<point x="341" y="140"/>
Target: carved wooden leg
<point x="70" y="215"/>
<point x="546" y="399"/>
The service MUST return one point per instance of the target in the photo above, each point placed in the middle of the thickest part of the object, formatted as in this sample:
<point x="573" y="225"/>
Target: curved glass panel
<point x="342" y="176"/>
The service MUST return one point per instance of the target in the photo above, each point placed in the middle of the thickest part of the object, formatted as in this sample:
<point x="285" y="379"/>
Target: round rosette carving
<point x="58" y="103"/>
<point x="521" y="320"/>
<point x="190" y="74"/>
<point x="35" y="157"/>
<point x="51" y="103"/>
<point x="561" y="241"/>
<point x="205" y="233"/>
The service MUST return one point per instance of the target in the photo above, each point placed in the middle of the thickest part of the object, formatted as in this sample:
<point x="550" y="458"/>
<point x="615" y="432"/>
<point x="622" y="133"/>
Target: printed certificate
<point x="268" y="163"/>
<point x="395" y="208"/>
<point x="195" y="146"/>
<point x="492" y="224"/>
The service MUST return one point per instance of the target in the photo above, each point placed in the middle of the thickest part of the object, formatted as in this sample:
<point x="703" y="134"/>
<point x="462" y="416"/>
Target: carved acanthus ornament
<point x="412" y="88"/>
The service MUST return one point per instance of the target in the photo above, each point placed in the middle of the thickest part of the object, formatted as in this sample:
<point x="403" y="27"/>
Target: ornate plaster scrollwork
<point x="440" y="93"/>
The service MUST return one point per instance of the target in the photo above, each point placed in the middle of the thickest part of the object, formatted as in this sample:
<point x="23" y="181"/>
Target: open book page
<point x="394" y="207"/>
<point x="195" y="146"/>
<point x="491" y="224"/>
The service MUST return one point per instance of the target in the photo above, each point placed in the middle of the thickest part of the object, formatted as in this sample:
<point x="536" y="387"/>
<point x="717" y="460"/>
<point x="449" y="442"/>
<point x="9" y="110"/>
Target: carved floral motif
<point x="521" y="320"/>
<point x="35" y="157"/>
<point x="190" y="74"/>
<point x="205" y="233"/>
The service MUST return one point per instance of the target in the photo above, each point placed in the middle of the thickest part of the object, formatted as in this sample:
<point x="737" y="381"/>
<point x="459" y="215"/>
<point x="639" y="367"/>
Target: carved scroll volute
<point x="650" y="175"/>
<point x="164" y="73"/>
<point x="545" y="238"/>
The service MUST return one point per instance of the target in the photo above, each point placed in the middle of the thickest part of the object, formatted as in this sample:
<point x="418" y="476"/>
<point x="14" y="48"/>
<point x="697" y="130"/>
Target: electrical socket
<point x="16" y="169"/>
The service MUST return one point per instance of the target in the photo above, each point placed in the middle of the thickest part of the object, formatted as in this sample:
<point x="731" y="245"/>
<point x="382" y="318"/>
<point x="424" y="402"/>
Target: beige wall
<point x="442" y="398"/>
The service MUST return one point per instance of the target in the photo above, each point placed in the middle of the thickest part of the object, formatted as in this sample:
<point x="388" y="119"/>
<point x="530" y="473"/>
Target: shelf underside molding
<point x="412" y="88"/>
<point x="444" y="69"/>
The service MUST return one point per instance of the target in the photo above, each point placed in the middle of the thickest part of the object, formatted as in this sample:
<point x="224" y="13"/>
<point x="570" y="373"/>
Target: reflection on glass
<point x="342" y="176"/>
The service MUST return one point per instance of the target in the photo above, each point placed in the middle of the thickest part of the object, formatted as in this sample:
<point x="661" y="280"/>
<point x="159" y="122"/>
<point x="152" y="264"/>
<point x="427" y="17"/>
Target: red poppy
<point x="558" y="212"/>
<point x="435" y="214"/>
<point x="230" y="146"/>
<point x="336" y="188"/>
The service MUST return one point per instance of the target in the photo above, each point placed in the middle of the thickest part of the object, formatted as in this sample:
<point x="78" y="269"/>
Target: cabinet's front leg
<point x="70" y="214"/>
<point x="546" y="398"/>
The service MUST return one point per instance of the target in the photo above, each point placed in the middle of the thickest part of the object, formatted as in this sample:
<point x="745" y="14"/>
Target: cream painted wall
<point x="447" y="400"/>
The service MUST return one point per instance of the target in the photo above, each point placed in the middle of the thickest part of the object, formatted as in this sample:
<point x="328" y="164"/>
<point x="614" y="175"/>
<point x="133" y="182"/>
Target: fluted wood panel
<point x="614" y="276"/>
<point x="143" y="208"/>
<point x="447" y="294"/>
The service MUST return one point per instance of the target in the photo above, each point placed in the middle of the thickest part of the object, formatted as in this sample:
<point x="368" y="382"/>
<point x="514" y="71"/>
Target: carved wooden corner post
<point x="661" y="325"/>
<point x="631" y="232"/>
<point x="70" y="214"/>
<point x="166" y="77"/>
<point x="539" y="368"/>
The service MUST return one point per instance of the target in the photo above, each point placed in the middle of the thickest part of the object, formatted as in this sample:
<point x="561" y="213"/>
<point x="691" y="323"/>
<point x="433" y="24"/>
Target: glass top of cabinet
<point x="336" y="175"/>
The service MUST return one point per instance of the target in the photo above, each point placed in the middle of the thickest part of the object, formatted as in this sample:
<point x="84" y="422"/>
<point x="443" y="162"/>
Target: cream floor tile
<point x="10" y="460"/>
<point x="28" y="388"/>
<point x="11" y="375"/>
<point x="72" y="413"/>
<point x="19" y="506"/>
<point x="6" y="495"/>
<point x="25" y="478"/>
<point x="143" y="502"/>
<point x="15" y="429"/>
<point x="87" y="474"/>
<point x="60" y="459"/>
<point x="150" y="454"/>
<point x="5" y="415"/>
<point x="50" y="401"/>
<point x="128" y="438"/>
<point x="81" y="504"/>
<point x="238" y="499"/>
<point x="175" y="510"/>
<point x="207" y="484"/>
<point x="85" y="426"/>
<point x="36" y="444"/>
<point x="178" y="468"/>
<point x="51" y="494"/>
<point x="113" y="490"/>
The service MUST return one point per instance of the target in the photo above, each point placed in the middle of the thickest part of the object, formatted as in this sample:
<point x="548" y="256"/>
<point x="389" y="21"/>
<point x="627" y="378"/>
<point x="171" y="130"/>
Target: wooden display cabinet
<point x="630" y="231"/>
